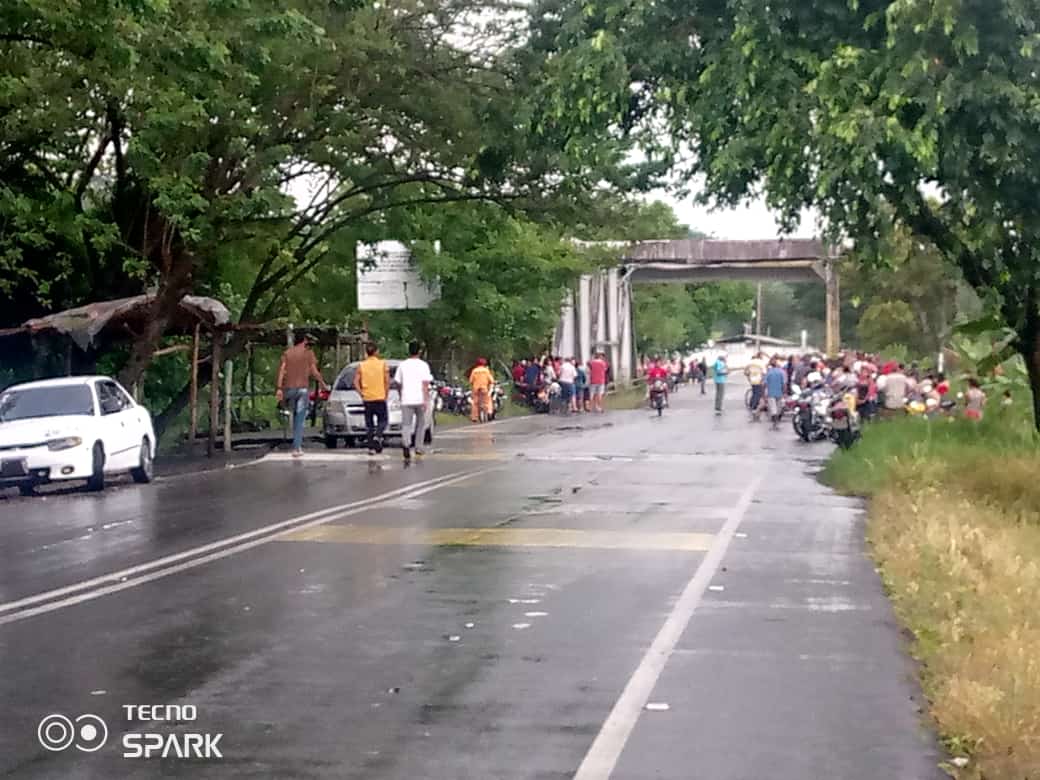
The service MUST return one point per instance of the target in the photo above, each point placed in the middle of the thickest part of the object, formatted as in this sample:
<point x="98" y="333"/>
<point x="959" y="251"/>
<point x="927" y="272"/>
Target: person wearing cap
<point x="297" y="368"/>
<point x="480" y="381"/>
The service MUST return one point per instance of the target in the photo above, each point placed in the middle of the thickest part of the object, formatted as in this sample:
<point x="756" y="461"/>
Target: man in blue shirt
<point x="721" y="372"/>
<point x="775" y="381"/>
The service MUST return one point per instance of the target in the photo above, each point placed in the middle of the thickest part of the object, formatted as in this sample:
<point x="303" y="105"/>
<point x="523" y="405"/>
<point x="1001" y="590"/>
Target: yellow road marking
<point x="504" y="537"/>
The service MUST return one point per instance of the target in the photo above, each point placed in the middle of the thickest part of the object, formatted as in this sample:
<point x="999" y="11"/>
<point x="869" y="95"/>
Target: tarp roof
<point x="85" y="324"/>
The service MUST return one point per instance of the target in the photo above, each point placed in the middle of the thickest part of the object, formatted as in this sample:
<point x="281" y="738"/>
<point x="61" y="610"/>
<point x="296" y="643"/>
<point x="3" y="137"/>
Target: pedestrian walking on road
<point x="702" y="374"/>
<point x="480" y="381"/>
<point x="297" y="368"/>
<point x="372" y="381"/>
<point x="721" y="374"/>
<point x="775" y="382"/>
<point x="413" y="379"/>
<point x="755" y="371"/>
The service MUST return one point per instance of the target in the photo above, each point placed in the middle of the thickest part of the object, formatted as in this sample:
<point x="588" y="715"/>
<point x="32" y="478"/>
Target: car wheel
<point x="27" y="489"/>
<point x="350" y="442"/>
<point x="331" y="442"/>
<point x="96" y="482"/>
<point x="145" y="471"/>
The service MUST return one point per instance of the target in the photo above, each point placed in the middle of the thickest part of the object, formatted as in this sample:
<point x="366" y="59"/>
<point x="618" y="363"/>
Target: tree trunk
<point x="173" y="287"/>
<point x="1030" y="351"/>
<point x="1029" y="345"/>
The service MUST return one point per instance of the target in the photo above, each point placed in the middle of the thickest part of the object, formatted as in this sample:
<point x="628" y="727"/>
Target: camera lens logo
<point x="56" y="733"/>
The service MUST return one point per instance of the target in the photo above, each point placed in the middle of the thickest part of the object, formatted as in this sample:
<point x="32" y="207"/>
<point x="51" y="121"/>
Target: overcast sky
<point x="749" y="222"/>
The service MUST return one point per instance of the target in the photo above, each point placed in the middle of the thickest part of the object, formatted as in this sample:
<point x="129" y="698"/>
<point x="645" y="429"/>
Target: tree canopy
<point x="145" y="143"/>
<point x="869" y="111"/>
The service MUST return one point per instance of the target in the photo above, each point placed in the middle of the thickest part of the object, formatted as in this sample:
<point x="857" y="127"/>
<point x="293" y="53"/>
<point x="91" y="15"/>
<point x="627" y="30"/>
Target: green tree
<point x="145" y="142"/>
<point x="853" y="107"/>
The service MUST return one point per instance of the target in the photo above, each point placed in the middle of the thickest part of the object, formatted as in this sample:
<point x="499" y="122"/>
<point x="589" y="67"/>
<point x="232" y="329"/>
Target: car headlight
<point x="66" y="443"/>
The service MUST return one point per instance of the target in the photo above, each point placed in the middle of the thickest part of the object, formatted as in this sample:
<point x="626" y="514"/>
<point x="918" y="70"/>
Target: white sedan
<point x="81" y="427"/>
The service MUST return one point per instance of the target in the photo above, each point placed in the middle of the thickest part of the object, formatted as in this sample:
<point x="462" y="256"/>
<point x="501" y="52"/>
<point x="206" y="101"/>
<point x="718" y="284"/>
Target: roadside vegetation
<point x="954" y="525"/>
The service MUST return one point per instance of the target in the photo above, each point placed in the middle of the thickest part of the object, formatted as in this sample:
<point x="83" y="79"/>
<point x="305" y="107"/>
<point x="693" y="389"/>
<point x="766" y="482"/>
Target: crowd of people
<point x="562" y="384"/>
<point x="880" y="387"/>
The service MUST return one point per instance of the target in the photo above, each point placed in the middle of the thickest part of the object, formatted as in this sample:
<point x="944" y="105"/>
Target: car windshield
<point x="346" y="379"/>
<point x="55" y="401"/>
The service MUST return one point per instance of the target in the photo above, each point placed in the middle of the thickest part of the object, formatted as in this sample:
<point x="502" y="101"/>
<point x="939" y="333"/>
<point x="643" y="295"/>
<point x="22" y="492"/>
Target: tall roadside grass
<point x="955" y="530"/>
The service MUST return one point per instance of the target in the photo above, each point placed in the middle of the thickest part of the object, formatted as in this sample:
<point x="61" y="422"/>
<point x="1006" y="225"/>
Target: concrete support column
<point x="584" y="318"/>
<point x="613" y="316"/>
<point x="830" y="279"/>
<point x="624" y="369"/>
<point x="565" y="341"/>
<point x="601" y="308"/>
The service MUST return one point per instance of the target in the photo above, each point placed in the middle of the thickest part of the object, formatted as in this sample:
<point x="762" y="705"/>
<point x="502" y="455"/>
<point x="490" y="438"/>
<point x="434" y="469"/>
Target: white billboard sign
<point x="387" y="278"/>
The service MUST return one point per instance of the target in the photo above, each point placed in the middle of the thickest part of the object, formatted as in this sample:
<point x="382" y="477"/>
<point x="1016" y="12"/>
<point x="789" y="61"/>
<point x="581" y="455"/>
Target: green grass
<point x="955" y="529"/>
<point x="632" y="397"/>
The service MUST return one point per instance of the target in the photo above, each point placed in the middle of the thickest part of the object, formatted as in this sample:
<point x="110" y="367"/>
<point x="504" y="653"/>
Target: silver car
<point x="344" y="417"/>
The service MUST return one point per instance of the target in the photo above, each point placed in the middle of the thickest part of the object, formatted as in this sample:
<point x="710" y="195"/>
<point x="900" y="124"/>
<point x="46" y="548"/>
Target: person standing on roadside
<point x="721" y="375"/>
<point x="581" y="387"/>
<point x="372" y="381"/>
<point x="413" y="379"/>
<point x="480" y="381"/>
<point x="896" y="387"/>
<point x="598" y="369"/>
<point x="298" y="367"/>
<point x="568" y="378"/>
<point x="974" y="400"/>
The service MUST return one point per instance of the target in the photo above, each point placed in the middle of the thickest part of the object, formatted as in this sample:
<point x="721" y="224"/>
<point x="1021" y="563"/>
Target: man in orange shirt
<point x="372" y="381"/>
<point x="480" y="381"/>
<point x="295" y="372"/>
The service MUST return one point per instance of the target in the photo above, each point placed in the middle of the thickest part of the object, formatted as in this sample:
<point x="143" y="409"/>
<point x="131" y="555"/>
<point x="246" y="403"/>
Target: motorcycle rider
<point x="676" y="370"/>
<point x="654" y="373"/>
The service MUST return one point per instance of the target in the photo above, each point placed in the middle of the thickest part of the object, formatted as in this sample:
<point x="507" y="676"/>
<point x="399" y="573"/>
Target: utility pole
<point x="758" y="319"/>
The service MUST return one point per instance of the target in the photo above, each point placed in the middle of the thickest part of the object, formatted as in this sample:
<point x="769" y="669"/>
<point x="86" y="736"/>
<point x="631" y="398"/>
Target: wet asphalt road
<point x="597" y="597"/>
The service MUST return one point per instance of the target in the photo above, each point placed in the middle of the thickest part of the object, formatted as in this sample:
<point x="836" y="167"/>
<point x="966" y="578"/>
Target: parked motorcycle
<point x="844" y="421"/>
<point x="812" y="419"/>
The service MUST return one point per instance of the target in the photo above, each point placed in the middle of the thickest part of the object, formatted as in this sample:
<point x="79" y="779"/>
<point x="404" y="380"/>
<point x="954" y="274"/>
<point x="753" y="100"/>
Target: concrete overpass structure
<point x="598" y="314"/>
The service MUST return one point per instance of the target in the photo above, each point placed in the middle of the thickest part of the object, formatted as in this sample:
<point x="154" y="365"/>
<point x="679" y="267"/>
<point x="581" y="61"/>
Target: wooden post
<point x="214" y="395"/>
<point x="833" y="309"/>
<point x="228" y="368"/>
<point x="193" y="431"/>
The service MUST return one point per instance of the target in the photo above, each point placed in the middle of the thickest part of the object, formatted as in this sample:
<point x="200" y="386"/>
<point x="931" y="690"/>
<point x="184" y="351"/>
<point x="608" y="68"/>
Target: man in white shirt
<point x="413" y="379"/>
<point x="568" y="375"/>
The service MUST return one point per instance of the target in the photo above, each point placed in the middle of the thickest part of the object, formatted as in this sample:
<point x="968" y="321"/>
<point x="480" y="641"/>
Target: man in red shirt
<point x="598" y="381"/>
